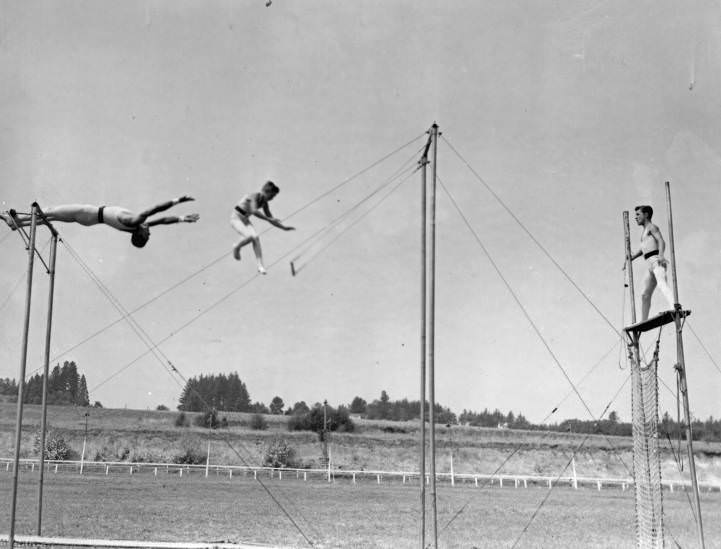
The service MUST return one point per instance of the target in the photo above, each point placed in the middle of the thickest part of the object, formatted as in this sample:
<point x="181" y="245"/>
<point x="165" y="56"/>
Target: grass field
<point x="171" y="508"/>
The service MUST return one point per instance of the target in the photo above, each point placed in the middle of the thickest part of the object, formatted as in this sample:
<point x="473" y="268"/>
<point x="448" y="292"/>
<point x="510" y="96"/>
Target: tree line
<point x="230" y="394"/>
<point x="65" y="386"/>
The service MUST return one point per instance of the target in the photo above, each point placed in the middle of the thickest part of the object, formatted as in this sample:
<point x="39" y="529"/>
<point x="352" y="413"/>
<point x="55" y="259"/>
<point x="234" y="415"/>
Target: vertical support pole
<point x="21" y="375"/>
<point x="575" y="478"/>
<point x="453" y="476"/>
<point x="46" y="369"/>
<point x="431" y="333"/>
<point x="424" y="300"/>
<point x="648" y="491"/>
<point x="681" y="368"/>
<point x="671" y="246"/>
<point x="82" y="459"/>
<point x="629" y="266"/>
<point x="207" y="461"/>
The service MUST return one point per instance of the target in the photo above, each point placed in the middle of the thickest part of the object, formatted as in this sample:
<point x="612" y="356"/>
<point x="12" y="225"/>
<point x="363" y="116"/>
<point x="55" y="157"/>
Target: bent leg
<point x="246" y="230"/>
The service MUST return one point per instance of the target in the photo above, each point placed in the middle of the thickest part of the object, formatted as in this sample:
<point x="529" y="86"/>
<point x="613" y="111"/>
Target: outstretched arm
<point x="142" y="216"/>
<point x="169" y="220"/>
<point x="632" y="257"/>
<point x="273" y="221"/>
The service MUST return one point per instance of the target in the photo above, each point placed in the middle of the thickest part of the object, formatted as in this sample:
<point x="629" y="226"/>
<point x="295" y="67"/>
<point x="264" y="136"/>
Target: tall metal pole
<point x="21" y="375"/>
<point x="424" y="299"/>
<point x="681" y="369"/>
<point x="46" y="369"/>
<point x="431" y="334"/>
<point x="325" y="432"/>
<point x="629" y="266"/>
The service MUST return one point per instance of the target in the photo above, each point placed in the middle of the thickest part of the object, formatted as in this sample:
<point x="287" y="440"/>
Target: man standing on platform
<point x="652" y="248"/>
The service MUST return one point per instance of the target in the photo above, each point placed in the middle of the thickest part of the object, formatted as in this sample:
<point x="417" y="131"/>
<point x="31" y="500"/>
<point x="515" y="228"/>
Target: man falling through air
<point x="252" y="204"/>
<point x="113" y="216"/>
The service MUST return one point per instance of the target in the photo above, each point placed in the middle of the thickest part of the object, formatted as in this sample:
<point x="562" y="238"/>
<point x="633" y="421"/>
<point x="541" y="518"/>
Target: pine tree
<point x="82" y="398"/>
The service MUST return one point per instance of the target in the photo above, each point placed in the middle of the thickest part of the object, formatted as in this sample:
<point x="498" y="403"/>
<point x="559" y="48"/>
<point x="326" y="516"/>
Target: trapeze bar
<point x="665" y="317"/>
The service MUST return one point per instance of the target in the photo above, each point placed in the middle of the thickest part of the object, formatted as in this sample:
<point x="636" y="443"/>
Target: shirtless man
<point x="113" y="216"/>
<point x="652" y="249"/>
<point x="251" y="204"/>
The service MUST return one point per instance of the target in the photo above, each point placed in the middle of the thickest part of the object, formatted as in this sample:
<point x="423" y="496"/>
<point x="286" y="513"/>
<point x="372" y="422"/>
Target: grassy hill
<point x="145" y="435"/>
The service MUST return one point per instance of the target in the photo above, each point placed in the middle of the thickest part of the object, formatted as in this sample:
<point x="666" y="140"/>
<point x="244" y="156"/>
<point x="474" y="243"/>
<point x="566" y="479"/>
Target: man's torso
<point x="648" y="241"/>
<point x="118" y="218"/>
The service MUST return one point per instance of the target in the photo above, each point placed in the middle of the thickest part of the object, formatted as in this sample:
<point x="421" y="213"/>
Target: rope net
<point x="646" y="457"/>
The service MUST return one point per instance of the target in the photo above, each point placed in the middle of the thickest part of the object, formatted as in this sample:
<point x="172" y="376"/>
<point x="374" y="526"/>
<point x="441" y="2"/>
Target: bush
<point x="258" y="423"/>
<point x="181" y="420"/>
<point x="162" y="408"/>
<point x="280" y="454"/>
<point x="56" y="447"/>
<point x="191" y="456"/>
<point x="210" y="420"/>
<point x="337" y="420"/>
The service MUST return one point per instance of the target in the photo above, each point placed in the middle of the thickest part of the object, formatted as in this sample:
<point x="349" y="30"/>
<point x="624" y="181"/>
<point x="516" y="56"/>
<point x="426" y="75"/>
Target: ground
<point x="192" y="507"/>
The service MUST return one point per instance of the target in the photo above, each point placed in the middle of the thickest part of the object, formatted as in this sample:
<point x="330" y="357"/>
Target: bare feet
<point x="236" y="253"/>
<point x="7" y="218"/>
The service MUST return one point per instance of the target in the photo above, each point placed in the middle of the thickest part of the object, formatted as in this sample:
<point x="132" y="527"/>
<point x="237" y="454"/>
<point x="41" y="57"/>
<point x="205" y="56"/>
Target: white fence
<point x="116" y="468"/>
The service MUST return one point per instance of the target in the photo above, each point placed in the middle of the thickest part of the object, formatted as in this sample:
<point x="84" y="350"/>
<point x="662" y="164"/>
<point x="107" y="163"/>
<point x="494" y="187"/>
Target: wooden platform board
<point x="665" y="317"/>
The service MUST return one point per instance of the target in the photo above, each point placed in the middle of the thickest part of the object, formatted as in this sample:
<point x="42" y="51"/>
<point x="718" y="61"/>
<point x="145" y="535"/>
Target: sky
<point x="571" y="112"/>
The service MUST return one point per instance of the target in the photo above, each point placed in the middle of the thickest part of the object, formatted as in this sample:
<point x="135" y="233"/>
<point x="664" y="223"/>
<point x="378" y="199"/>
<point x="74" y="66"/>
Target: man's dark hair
<point x="647" y="210"/>
<point x="139" y="238"/>
<point x="269" y="186"/>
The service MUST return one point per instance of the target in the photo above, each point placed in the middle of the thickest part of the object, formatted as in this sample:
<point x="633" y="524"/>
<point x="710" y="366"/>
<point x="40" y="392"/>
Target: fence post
<point x="453" y="477"/>
<point x="155" y="471"/>
<point x="207" y="461"/>
<point x="476" y="481"/>
<point x="107" y="470"/>
<point x="305" y="475"/>
<point x="353" y="478"/>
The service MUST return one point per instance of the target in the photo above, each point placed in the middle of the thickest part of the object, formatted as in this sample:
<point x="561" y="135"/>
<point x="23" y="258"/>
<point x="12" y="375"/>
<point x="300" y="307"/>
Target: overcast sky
<point x="572" y="112"/>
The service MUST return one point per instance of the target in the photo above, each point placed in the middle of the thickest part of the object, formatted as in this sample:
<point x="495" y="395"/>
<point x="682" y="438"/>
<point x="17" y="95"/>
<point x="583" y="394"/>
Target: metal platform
<point x="665" y="317"/>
